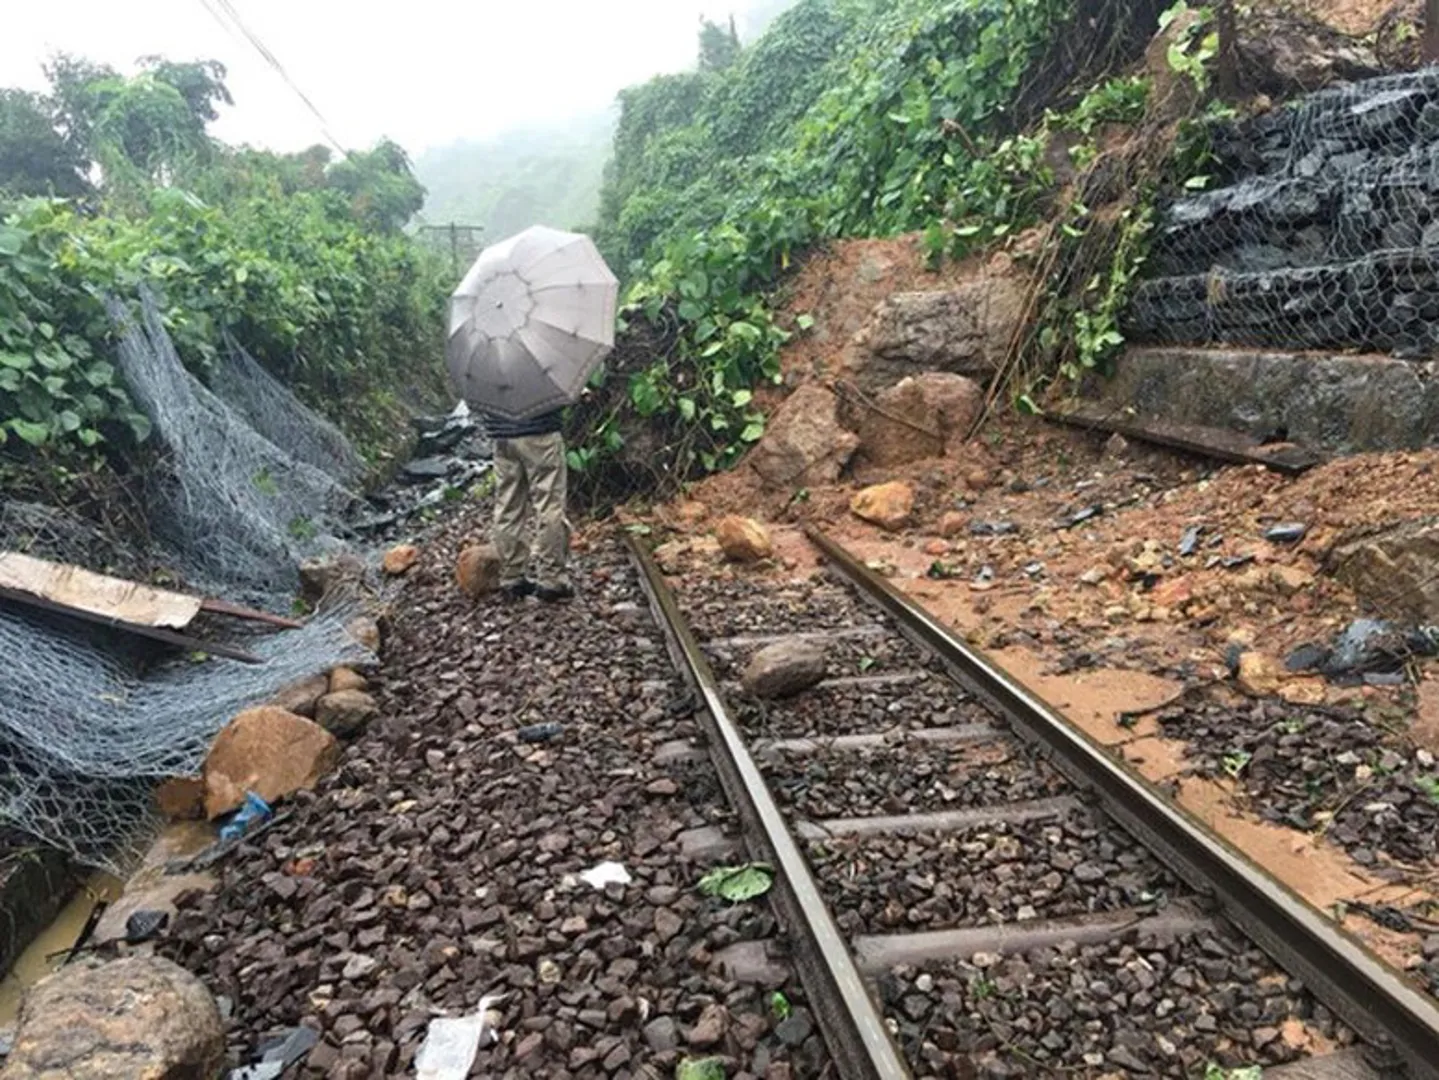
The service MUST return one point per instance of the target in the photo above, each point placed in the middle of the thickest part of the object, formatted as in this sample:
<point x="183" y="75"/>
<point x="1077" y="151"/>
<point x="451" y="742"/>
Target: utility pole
<point x="1228" y="52"/>
<point x="455" y="247"/>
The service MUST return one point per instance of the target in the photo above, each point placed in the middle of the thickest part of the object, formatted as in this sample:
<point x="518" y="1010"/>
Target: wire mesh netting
<point x="89" y="721"/>
<point x="237" y="510"/>
<point x="1330" y="239"/>
<point x="281" y="417"/>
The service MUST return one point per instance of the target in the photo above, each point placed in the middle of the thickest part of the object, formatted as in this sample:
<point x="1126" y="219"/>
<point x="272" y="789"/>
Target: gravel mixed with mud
<point x="441" y="863"/>
<point x="1157" y="1006"/>
<point x="1320" y="769"/>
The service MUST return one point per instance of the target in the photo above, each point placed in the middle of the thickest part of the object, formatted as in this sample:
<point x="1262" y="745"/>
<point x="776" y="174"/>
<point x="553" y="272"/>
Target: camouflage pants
<point x="530" y="479"/>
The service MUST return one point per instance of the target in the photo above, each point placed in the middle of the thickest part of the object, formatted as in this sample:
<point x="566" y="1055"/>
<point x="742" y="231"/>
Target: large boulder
<point x="268" y="751"/>
<point x="890" y="506"/>
<point x="1286" y="54"/>
<point x="784" y="668"/>
<point x="805" y="442"/>
<point x="140" y="1018"/>
<point x="743" y="539"/>
<point x="966" y="330"/>
<point x="1395" y="573"/>
<point x="896" y="426"/>
<point x="921" y="416"/>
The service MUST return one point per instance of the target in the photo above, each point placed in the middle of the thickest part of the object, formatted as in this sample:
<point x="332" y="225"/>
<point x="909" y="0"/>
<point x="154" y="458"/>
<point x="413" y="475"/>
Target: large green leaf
<point x="738" y="883"/>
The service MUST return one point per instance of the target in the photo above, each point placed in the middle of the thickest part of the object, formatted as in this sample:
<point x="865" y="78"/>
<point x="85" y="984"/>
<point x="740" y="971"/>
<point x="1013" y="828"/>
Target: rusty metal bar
<point x="853" y="1029"/>
<point x="1219" y="445"/>
<point x="239" y="611"/>
<point x="1390" y="1013"/>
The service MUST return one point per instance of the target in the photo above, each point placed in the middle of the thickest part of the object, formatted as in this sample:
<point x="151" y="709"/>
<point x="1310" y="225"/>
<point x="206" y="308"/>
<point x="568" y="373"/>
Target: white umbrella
<point x="530" y="322"/>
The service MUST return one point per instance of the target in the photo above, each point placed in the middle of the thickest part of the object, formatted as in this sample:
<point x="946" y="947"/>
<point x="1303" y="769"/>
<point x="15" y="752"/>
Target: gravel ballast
<point x="441" y="862"/>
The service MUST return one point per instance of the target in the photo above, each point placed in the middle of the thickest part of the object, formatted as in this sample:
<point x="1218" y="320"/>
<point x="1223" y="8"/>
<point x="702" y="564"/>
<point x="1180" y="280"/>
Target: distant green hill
<point x="521" y="178"/>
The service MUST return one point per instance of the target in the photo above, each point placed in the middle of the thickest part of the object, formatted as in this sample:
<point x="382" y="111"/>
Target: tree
<point x="74" y="100"/>
<point x="719" y="47"/>
<point x="200" y="82"/>
<point x="35" y="159"/>
<point x="383" y="191"/>
<point x="147" y="124"/>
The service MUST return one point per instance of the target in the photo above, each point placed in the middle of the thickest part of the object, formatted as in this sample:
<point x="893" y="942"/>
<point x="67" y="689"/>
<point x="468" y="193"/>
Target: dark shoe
<point x="518" y="591"/>
<point x="553" y="594"/>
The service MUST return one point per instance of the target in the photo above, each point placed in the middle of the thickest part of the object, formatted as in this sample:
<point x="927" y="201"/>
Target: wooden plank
<point x="99" y="594"/>
<point x="1217" y="443"/>
<point x="155" y="633"/>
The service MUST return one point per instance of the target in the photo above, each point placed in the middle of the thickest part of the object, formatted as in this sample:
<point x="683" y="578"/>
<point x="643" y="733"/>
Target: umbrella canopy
<point x="530" y="322"/>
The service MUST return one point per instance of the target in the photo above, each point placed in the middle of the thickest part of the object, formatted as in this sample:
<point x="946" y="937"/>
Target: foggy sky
<point x="423" y="72"/>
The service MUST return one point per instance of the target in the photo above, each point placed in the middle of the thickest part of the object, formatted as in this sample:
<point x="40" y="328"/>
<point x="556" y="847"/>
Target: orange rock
<point x="1290" y="579"/>
<point x="952" y="523"/>
<point x="743" y="539"/>
<point x="268" y="751"/>
<point x="365" y="631"/>
<point x="181" y="798"/>
<point x="1174" y="593"/>
<point x="399" y="559"/>
<point x="887" y="505"/>
<point x="1307" y="691"/>
<point x="691" y="512"/>
<point x="1260" y="674"/>
<point x="478" y="570"/>
<point x="977" y="479"/>
<point x="936" y="548"/>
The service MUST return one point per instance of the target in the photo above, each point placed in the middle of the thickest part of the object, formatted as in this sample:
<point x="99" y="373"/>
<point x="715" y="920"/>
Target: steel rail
<point x="1391" y="1015"/>
<point x="853" y="1030"/>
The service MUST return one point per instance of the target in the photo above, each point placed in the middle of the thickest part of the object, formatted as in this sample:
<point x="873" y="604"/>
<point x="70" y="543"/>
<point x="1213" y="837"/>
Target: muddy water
<point x="60" y="934"/>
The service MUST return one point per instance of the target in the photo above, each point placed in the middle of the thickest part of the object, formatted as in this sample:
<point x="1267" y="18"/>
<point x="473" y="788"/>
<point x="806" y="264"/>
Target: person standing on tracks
<point x="531" y="480"/>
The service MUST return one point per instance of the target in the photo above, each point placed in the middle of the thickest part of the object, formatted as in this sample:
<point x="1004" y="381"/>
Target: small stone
<point x="366" y="632"/>
<point x="1290" y="579"/>
<point x="1263" y="1036"/>
<point x="1206" y="1023"/>
<point x="743" y="539"/>
<point x="347" y="713"/>
<point x="710" y="1028"/>
<point x="300" y="697"/>
<point x="985" y="960"/>
<point x="667" y="925"/>
<point x="343" y="678"/>
<point x="1090" y="873"/>
<point x="661" y="1035"/>
<point x="795" y="1028"/>
<point x="662" y="786"/>
<point x="1259" y="674"/>
<point x="1116" y="446"/>
<point x="357" y="967"/>
<point x="1093" y="576"/>
<point x="399" y="559"/>
<point x="951" y="524"/>
<point x="925" y="983"/>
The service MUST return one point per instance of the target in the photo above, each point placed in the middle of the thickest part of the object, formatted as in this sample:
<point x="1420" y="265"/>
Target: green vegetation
<point x="110" y="183"/>
<point x="846" y="118"/>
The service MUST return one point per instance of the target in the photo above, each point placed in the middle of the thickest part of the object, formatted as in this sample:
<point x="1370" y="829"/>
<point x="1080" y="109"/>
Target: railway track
<point x="972" y="887"/>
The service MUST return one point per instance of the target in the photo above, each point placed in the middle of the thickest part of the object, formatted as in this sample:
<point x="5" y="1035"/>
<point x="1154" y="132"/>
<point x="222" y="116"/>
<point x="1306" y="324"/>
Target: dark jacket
<point x="500" y="427"/>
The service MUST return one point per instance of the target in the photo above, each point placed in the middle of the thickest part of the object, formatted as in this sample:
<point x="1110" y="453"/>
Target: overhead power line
<point x="218" y="10"/>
